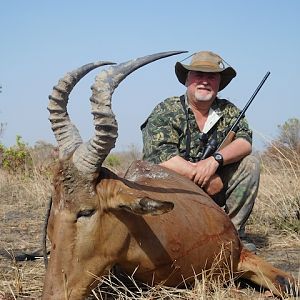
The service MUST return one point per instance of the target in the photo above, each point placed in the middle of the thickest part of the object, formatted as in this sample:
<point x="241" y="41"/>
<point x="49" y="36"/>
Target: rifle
<point x="211" y="147"/>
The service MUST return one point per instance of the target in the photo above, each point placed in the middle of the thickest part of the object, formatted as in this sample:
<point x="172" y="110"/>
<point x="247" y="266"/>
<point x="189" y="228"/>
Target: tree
<point x="289" y="134"/>
<point x="2" y="125"/>
<point x="286" y="146"/>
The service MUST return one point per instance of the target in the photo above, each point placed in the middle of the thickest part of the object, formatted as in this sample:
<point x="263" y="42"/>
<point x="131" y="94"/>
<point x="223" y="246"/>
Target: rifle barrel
<point x="242" y="113"/>
<point x="231" y="133"/>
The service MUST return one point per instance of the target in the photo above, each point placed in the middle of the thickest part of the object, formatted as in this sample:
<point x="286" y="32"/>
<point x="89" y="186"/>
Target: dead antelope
<point x="153" y="221"/>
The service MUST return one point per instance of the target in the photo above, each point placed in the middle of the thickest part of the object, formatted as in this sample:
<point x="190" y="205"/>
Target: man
<point x="179" y="130"/>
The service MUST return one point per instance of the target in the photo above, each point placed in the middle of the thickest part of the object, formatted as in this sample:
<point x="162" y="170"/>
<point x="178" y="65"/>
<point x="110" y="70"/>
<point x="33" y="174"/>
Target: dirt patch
<point x="281" y="249"/>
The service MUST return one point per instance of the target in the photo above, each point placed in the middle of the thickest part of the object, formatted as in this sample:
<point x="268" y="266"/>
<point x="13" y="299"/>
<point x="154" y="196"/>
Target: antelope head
<point x="83" y="241"/>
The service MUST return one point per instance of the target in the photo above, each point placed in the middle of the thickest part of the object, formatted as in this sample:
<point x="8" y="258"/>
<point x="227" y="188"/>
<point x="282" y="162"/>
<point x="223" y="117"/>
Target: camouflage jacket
<point x="165" y="130"/>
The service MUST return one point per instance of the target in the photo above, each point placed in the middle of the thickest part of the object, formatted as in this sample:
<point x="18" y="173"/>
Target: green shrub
<point x="112" y="161"/>
<point x="16" y="159"/>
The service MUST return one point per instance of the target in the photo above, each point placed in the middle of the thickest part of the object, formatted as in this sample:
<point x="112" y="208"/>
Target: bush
<point x="286" y="145"/>
<point x="43" y="156"/>
<point x="16" y="159"/>
<point x="22" y="159"/>
<point x="112" y="161"/>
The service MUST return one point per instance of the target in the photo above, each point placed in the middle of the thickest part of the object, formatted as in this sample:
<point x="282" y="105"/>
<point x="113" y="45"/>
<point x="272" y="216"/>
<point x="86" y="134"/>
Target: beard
<point x="200" y="96"/>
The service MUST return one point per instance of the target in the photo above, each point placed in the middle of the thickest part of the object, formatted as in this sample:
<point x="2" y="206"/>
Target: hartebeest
<point x="153" y="221"/>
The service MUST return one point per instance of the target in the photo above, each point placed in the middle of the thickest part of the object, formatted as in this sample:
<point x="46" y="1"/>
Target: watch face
<point x="218" y="157"/>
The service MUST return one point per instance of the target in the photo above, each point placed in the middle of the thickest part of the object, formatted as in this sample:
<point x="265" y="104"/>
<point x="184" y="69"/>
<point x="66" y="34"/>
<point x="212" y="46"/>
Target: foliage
<point x="15" y="159"/>
<point x="2" y="126"/>
<point x="119" y="162"/>
<point x="43" y="156"/>
<point x="22" y="159"/>
<point x="289" y="135"/>
<point x="286" y="145"/>
<point x="112" y="161"/>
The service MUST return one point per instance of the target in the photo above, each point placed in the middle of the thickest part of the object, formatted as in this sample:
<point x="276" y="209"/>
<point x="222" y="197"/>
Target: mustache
<point x="204" y="86"/>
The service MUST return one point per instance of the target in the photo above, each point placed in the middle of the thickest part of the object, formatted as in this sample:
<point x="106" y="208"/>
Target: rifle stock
<point x="228" y="139"/>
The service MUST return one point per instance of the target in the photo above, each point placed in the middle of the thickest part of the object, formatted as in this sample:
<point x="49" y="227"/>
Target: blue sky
<point x="42" y="40"/>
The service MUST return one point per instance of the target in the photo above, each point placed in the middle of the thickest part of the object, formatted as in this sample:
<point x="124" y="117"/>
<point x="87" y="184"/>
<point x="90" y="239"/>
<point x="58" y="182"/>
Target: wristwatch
<point x="219" y="158"/>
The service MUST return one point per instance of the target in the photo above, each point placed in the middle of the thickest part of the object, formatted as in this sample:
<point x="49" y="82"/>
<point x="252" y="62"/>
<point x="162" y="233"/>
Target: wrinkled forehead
<point x="69" y="185"/>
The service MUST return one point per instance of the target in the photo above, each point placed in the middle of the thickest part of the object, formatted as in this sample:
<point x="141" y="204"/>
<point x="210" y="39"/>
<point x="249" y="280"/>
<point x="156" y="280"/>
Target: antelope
<point x="151" y="222"/>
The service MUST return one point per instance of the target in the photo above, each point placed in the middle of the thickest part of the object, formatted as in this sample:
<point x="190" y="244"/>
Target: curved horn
<point x="89" y="156"/>
<point x="66" y="133"/>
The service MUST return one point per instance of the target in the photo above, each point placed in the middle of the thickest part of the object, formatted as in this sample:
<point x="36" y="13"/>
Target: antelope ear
<point x="146" y="206"/>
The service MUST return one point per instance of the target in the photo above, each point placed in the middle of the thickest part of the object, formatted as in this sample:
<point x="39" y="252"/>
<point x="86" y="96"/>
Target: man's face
<point x="202" y="86"/>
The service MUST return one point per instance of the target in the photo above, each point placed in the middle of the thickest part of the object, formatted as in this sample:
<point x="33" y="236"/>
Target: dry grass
<point x="278" y="202"/>
<point x="23" y="200"/>
<point x="274" y="226"/>
<point x="206" y="289"/>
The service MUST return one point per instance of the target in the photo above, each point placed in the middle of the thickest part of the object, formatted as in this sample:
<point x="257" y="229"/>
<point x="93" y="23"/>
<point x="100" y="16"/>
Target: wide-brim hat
<point x="206" y="61"/>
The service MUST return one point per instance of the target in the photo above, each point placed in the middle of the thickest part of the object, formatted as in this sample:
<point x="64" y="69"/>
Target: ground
<point x="22" y="211"/>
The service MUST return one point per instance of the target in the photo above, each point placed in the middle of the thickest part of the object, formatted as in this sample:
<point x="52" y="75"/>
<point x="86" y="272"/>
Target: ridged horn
<point x="89" y="156"/>
<point x="66" y="133"/>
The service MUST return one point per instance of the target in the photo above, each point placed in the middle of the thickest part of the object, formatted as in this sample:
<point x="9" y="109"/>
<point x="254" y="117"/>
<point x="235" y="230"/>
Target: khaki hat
<point x="206" y="61"/>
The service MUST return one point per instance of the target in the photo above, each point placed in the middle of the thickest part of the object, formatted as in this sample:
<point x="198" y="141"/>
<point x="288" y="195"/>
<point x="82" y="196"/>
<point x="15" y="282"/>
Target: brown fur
<point x="129" y="222"/>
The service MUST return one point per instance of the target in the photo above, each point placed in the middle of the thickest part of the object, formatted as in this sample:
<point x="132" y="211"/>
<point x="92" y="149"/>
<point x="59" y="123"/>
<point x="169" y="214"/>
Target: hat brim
<point x="227" y="74"/>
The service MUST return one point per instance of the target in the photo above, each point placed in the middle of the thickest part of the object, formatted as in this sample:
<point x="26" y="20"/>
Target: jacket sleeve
<point x="244" y="131"/>
<point x="160" y="138"/>
<point x="230" y="114"/>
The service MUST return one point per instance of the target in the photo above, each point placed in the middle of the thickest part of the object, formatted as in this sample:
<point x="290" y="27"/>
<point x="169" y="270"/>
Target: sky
<point x="43" y="40"/>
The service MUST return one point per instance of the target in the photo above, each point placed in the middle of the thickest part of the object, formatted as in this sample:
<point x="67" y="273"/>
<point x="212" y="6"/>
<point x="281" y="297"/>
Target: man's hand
<point x="203" y="171"/>
<point x="181" y="166"/>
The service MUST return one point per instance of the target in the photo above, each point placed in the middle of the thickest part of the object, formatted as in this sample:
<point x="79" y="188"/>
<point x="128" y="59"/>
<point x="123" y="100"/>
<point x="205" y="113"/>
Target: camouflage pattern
<point x="164" y="132"/>
<point x="241" y="182"/>
<point x="164" y="136"/>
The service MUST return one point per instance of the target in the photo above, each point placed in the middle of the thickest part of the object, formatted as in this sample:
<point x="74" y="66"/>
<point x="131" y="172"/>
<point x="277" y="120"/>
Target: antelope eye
<point x="85" y="213"/>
